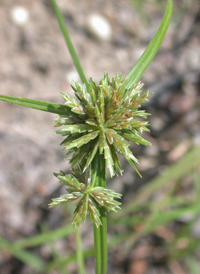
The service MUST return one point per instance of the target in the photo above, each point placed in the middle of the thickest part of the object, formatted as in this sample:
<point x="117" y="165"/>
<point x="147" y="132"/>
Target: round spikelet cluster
<point x="103" y="119"/>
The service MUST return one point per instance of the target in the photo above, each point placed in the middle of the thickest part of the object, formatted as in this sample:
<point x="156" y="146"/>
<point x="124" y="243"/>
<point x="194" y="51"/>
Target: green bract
<point x="102" y="120"/>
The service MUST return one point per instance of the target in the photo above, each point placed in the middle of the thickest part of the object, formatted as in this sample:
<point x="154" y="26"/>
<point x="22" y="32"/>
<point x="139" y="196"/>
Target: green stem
<point x="69" y="43"/>
<point x="103" y="212"/>
<point x="97" y="250"/>
<point x="96" y="231"/>
<point x="79" y="253"/>
<point x="100" y="233"/>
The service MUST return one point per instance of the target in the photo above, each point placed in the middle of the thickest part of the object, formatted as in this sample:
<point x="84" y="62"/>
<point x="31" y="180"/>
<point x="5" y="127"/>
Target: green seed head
<point x="88" y="199"/>
<point x="103" y="120"/>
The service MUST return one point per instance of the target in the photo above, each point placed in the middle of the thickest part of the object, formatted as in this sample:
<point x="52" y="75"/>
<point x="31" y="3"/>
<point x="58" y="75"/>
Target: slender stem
<point x="103" y="212"/>
<point x="69" y="43"/>
<point x="79" y="253"/>
<point x="97" y="249"/>
<point x="96" y="231"/>
<point x="100" y="233"/>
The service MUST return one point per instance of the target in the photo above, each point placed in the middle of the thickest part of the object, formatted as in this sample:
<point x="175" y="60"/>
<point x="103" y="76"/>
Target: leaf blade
<point x="137" y="71"/>
<point x="36" y="104"/>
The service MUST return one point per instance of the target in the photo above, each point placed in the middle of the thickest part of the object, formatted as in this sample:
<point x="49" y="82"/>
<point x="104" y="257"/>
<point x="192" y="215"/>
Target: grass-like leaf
<point x="139" y="68"/>
<point x="45" y="237"/>
<point x="69" y="43"/>
<point x="23" y="255"/>
<point x="36" y="104"/>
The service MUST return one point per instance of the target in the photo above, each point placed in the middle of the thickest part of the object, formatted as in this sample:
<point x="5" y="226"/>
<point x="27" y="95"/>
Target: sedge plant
<point x="98" y="124"/>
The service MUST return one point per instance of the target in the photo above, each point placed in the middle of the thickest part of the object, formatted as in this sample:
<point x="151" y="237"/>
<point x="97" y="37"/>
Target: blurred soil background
<point x="159" y="230"/>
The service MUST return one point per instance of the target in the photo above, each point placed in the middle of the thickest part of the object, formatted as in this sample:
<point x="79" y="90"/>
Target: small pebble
<point x="122" y="55"/>
<point x="157" y="123"/>
<point x="193" y="57"/>
<point x="196" y="228"/>
<point x="152" y="151"/>
<point x="99" y="27"/>
<point x="146" y="163"/>
<point x="19" y="16"/>
<point x="72" y="76"/>
<point x="196" y="140"/>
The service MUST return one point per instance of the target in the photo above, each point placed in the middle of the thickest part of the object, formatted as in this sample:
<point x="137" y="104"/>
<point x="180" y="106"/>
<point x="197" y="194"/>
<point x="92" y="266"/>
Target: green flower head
<point x="103" y="119"/>
<point x="89" y="199"/>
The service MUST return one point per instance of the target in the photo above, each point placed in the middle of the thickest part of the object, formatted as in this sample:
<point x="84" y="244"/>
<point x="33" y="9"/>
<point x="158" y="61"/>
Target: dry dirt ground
<point x="35" y="63"/>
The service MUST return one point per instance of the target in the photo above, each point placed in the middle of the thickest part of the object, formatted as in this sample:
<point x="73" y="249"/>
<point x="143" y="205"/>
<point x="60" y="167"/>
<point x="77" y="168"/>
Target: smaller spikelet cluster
<point x="89" y="199"/>
<point x="103" y="119"/>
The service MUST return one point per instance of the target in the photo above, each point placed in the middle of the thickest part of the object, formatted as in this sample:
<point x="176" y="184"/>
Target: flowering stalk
<point x="100" y="233"/>
<point x="79" y="254"/>
<point x="103" y="212"/>
<point x="98" y="124"/>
